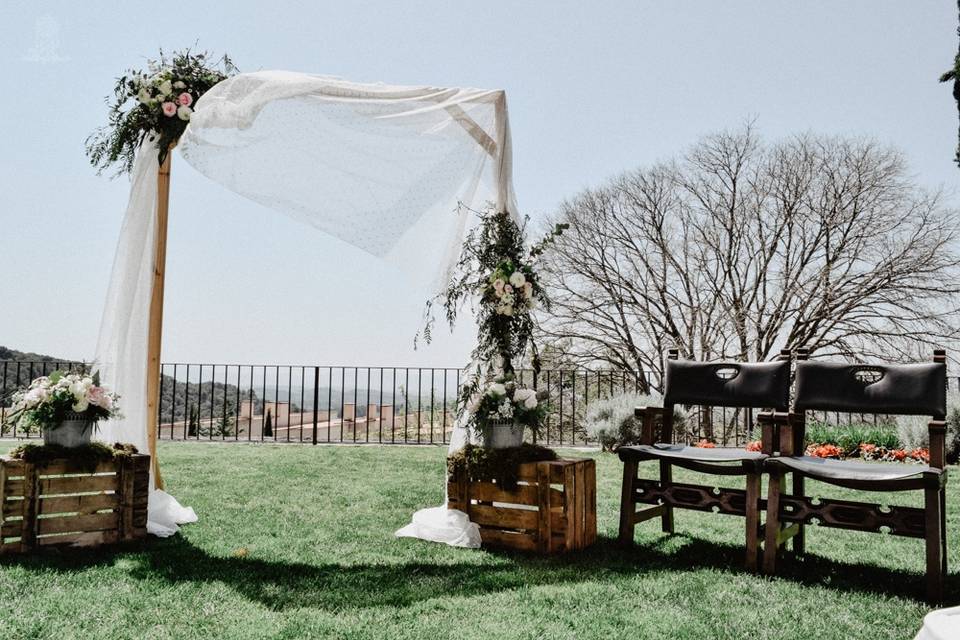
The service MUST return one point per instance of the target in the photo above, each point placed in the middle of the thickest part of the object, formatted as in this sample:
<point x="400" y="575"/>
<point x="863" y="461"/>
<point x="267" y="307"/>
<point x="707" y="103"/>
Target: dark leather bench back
<point x="763" y="385"/>
<point x="904" y="389"/>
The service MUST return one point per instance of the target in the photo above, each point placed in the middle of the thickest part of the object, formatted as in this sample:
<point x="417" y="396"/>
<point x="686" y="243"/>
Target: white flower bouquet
<point x="50" y="400"/>
<point x="502" y="399"/>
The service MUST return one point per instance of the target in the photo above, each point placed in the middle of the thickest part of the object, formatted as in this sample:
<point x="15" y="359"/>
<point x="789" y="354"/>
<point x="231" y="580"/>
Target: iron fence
<point x="378" y="404"/>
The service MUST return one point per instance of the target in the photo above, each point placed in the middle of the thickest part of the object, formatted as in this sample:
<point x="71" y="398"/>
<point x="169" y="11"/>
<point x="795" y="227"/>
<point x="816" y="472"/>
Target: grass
<point x="297" y="542"/>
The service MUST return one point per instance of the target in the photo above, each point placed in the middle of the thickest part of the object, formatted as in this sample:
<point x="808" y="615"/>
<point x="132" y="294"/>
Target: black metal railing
<point x="376" y="404"/>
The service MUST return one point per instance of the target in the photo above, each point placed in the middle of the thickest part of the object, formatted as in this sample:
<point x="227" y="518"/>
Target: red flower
<point x="921" y="454"/>
<point x="825" y="451"/>
<point x="705" y="444"/>
<point x="899" y="455"/>
<point x="756" y="445"/>
<point x="867" y="448"/>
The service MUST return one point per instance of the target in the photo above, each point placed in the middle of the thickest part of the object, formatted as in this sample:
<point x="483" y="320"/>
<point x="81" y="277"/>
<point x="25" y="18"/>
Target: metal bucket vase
<point x="74" y="431"/>
<point x="503" y="434"/>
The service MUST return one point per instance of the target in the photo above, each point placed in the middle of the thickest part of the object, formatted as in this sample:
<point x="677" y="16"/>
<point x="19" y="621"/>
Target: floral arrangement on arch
<point x="498" y="270"/>
<point x="159" y="101"/>
<point x="49" y="400"/>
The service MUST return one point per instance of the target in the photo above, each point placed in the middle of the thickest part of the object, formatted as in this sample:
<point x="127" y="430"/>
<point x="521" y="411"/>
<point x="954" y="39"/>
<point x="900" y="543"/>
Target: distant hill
<point x="12" y="354"/>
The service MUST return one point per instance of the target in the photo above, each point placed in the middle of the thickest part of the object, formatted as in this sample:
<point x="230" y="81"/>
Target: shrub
<point x="850" y="437"/>
<point x="611" y="422"/>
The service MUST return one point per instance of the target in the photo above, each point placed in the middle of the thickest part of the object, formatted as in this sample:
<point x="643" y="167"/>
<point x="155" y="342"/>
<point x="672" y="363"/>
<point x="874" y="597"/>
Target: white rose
<point x="522" y="394"/>
<point x="508" y="288"/>
<point x="179" y="84"/>
<point x="517" y="279"/>
<point x="144" y="95"/>
<point x="81" y="405"/>
<point x="166" y="88"/>
<point x="498" y="284"/>
<point x="531" y="402"/>
<point x="507" y="310"/>
<point x="184" y="112"/>
<point x="496" y="390"/>
<point x="78" y="390"/>
<point x="528" y="290"/>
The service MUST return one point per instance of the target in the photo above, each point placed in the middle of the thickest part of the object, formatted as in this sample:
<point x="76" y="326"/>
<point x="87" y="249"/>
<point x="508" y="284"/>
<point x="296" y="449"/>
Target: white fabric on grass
<point x="382" y="167"/>
<point x="943" y="624"/>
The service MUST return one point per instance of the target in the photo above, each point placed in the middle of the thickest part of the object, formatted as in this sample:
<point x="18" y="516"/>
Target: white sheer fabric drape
<point x="382" y="167"/>
<point x="121" y="354"/>
<point x="379" y="166"/>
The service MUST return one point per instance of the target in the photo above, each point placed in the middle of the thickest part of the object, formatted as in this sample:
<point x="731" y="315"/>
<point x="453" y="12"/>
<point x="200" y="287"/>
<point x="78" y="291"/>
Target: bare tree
<point x="742" y="248"/>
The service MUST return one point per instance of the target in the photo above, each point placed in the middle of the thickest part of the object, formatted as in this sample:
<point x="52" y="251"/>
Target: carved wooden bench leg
<point x="936" y="558"/>
<point x="753" y="518"/>
<point x="799" y="538"/>
<point x="627" y="507"/>
<point x="666" y="479"/>
<point x="773" y="523"/>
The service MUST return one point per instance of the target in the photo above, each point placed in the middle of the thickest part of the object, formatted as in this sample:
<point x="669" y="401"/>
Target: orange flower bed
<point x="755" y="445"/>
<point x="705" y="444"/>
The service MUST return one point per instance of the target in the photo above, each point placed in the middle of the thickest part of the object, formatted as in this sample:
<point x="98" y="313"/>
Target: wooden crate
<point x="60" y="503"/>
<point x="552" y="510"/>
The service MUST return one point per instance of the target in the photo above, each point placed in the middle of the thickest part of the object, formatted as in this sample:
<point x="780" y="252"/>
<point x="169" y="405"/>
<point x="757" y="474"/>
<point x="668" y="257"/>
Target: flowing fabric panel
<point x="121" y="354"/>
<point x="380" y="167"/>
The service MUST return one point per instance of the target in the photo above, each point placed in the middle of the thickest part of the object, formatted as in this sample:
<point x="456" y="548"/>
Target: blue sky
<point x="593" y="88"/>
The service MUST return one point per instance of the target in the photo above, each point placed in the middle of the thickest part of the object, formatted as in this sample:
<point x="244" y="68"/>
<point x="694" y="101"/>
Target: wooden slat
<point x="11" y="528"/>
<point x="569" y="483"/>
<point x="13" y="466"/>
<point x="590" y="520"/>
<point x="77" y="484"/>
<point x="14" y="487"/>
<point x="79" y="504"/>
<point x="544" y="528"/>
<point x="64" y="467"/>
<point x="579" y="504"/>
<point x="502" y="517"/>
<point x="13" y="508"/>
<point x="94" y="522"/>
<point x="28" y="532"/>
<point x="490" y="492"/>
<point x="508" y="539"/>
<point x="527" y="471"/>
<point x="85" y="539"/>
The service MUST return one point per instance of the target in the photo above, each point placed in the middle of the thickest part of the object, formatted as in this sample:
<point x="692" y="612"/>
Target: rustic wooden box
<point x="63" y="503"/>
<point x="552" y="510"/>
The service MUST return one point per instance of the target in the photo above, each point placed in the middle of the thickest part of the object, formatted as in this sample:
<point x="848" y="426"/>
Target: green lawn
<point x="297" y="542"/>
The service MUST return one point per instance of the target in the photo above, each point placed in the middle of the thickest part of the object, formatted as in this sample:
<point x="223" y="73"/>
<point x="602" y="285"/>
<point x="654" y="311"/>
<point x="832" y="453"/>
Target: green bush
<point x="850" y="437"/>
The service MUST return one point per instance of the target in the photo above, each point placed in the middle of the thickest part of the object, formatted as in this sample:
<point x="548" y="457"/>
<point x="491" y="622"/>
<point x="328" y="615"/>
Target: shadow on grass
<point x="286" y="585"/>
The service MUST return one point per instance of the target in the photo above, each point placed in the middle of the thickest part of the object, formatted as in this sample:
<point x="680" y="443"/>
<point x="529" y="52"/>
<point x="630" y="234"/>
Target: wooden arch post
<point x="155" y="329"/>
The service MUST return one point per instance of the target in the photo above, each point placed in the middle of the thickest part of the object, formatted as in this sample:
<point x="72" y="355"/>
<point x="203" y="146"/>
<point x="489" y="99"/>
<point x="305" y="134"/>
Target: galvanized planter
<point x="75" y="431"/>
<point x="503" y="434"/>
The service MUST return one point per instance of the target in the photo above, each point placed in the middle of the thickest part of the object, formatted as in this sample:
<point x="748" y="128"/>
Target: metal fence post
<point x="316" y="400"/>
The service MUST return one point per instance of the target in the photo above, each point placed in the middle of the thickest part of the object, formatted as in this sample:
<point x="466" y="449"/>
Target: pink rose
<point x="169" y="109"/>
<point x="185" y="99"/>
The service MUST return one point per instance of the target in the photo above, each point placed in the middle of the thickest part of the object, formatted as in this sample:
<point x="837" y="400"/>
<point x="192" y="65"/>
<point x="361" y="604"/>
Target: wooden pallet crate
<point x="63" y="503"/>
<point x="553" y="509"/>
